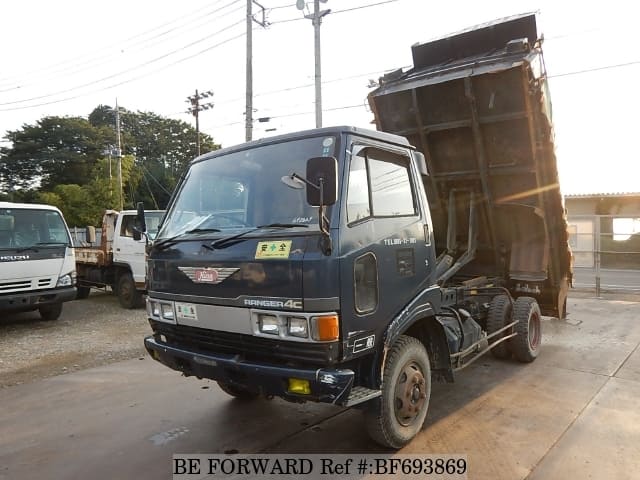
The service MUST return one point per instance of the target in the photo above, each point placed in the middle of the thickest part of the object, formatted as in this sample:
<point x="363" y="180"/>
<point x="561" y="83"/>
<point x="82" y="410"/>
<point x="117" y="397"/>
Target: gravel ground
<point x="90" y="332"/>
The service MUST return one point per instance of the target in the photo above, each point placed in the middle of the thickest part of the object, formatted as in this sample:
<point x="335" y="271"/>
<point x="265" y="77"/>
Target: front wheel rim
<point x="410" y="393"/>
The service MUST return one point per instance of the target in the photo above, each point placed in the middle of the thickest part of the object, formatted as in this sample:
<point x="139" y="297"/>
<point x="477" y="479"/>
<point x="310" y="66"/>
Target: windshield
<point x="152" y="219"/>
<point x="244" y="189"/>
<point x="23" y="228"/>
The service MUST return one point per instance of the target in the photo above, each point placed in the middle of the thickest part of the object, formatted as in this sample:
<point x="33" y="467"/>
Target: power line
<point x="123" y="82"/>
<point x="566" y="74"/>
<point x="333" y="12"/>
<point x="594" y="69"/>
<point x="145" y="169"/>
<point x="309" y="85"/>
<point x="74" y="65"/>
<point x="137" y="67"/>
<point x="296" y="114"/>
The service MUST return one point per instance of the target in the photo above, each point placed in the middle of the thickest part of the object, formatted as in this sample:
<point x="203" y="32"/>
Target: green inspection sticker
<point x="278" y="249"/>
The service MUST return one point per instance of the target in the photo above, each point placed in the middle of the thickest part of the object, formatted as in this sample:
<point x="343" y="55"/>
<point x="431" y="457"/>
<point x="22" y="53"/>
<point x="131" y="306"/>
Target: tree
<point x="74" y="201"/>
<point x="61" y="152"/>
<point x="162" y="148"/>
<point x="56" y="150"/>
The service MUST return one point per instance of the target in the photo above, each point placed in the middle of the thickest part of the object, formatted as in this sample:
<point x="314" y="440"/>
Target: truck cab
<point x="256" y="282"/>
<point x="117" y="258"/>
<point x="37" y="263"/>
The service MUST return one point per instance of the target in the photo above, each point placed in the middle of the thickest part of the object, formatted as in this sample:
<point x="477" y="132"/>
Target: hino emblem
<point x="208" y="275"/>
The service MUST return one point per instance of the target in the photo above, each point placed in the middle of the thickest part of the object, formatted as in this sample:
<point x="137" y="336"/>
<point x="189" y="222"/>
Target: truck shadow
<point x="337" y="430"/>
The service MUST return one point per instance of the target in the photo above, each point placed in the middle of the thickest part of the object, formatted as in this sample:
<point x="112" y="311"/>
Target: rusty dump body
<point x="477" y="105"/>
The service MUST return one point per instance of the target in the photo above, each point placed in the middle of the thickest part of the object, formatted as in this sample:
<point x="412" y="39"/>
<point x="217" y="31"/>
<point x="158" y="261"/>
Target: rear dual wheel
<point x="500" y="312"/>
<point x="526" y="344"/>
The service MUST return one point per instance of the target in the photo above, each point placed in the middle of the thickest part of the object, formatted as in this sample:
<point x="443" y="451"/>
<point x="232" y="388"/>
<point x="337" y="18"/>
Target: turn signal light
<point x="326" y="328"/>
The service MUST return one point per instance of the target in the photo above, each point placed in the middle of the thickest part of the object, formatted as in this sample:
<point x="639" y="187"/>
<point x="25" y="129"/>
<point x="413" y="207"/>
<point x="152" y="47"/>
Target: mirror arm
<point x="298" y="177"/>
<point x="323" y="221"/>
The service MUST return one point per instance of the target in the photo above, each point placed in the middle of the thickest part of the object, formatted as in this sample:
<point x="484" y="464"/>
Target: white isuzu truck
<point x="37" y="261"/>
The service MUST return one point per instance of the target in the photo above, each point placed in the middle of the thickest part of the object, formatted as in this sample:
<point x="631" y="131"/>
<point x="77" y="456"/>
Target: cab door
<point x="385" y="246"/>
<point x="128" y="251"/>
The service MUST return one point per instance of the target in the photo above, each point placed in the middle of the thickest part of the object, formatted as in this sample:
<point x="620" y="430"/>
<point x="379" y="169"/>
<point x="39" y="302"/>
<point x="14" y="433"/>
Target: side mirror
<point x="140" y="220"/>
<point x="421" y="163"/>
<point x="90" y="234"/>
<point x="141" y="224"/>
<point x="322" y="171"/>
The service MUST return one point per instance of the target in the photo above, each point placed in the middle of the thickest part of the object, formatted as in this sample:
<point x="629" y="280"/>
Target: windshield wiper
<point x="225" y="242"/>
<point x="66" y="244"/>
<point x="167" y="242"/>
<point x="25" y="249"/>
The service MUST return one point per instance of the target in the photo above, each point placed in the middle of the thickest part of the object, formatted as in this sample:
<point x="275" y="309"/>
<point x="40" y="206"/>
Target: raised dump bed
<point x="477" y="104"/>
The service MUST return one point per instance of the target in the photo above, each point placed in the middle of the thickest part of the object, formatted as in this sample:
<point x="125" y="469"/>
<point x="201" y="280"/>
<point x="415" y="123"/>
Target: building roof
<point x="602" y="194"/>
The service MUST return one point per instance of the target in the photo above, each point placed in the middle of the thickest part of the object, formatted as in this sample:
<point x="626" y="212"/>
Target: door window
<point x="379" y="185"/>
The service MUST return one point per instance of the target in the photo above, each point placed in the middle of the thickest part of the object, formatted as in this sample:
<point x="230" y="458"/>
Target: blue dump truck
<point x="355" y="267"/>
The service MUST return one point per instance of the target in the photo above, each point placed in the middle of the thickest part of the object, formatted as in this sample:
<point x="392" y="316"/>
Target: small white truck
<point x="37" y="263"/>
<point x="117" y="260"/>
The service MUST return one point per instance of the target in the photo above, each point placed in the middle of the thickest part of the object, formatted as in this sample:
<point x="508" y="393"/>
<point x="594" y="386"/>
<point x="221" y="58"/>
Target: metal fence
<point x="606" y="250"/>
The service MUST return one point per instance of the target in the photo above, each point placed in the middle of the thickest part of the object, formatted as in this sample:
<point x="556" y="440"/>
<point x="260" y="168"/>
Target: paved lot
<point x="574" y="413"/>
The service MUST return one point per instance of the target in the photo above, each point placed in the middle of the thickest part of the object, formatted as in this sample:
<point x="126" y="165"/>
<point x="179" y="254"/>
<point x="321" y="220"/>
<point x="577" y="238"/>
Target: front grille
<point x="15" y="286"/>
<point x="25" y="285"/>
<point x="251" y="348"/>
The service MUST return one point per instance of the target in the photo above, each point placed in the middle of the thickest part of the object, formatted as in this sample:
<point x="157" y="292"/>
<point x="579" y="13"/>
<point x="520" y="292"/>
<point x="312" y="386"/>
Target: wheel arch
<point x="430" y="332"/>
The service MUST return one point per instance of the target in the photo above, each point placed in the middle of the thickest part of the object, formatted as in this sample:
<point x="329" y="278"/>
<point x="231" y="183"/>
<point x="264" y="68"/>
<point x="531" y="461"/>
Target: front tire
<point x="82" y="292"/>
<point x="398" y="414"/>
<point x="526" y="345"/>
<point x="50" y="312"/>
<point x="128" y="295"/>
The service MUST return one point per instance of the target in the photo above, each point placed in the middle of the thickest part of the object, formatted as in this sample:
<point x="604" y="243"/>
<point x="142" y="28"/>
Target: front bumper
<point x="327" y="385"/>
<point x="25" y="301"/>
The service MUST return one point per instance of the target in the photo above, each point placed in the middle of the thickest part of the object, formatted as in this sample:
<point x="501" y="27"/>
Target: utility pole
<point x="316" y="20"/>
<point x="119" y="154"/>
<point x="248" y="113"/>
<point x="196" y="108"/>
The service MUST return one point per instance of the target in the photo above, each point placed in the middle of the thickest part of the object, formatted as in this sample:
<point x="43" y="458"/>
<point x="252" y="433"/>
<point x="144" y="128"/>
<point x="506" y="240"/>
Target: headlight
<point x="268" y="324"/>
<point x="297" y="327"/>
<point x="153" y="308"/>
<point x="167" y="311"/>
<point x="65" y="281"/>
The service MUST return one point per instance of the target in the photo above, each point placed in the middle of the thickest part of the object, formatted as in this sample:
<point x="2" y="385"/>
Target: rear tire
<point x="50" y="312"/>
<point x="500" y="312"/>
<point x="394" y="418"/>
<point x="82" y="292"/>
<point x="237" y="392"/>
<point x="128" y="295"/>
<point x="526" y="345"/>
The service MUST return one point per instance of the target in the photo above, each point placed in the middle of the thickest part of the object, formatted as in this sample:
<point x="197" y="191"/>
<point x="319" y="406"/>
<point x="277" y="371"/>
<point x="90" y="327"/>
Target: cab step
<point x="360" y="395"/>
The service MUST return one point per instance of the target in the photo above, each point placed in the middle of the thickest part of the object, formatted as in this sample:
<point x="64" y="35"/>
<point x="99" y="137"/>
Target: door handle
<point x="117" y="249"/>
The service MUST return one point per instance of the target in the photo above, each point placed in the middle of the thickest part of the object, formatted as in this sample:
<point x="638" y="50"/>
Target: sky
<point x="69" y="56"/>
